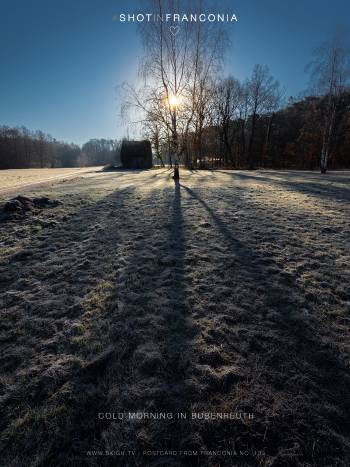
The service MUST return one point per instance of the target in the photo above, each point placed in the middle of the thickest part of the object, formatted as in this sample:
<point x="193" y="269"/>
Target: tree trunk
<point x="324" y="159"/>
<point x="250" y="147"/>
<point x="242" y="150"/>
<point x="326" y="143"/>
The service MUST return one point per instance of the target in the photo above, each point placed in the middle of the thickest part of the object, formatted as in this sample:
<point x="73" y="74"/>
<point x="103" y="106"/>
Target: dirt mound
<point x="22" y="205"/>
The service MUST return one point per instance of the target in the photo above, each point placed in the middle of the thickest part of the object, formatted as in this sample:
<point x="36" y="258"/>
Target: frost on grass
<point x="226" y="293"/>
<point x="21" y="177"/>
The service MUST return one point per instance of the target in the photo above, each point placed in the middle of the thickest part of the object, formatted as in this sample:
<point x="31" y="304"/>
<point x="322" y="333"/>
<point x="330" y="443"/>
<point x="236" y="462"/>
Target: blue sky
<point x="61" y="60"/>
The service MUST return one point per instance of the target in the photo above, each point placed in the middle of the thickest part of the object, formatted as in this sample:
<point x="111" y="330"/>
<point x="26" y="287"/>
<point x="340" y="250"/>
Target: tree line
<point x="21" y="148"/>
<point x="192" y="114"/>
<point x="248" y="127"/>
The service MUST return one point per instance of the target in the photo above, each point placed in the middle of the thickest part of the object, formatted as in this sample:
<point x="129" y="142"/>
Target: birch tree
<point x="176" y="71"/>
<point x="330" y="77"/>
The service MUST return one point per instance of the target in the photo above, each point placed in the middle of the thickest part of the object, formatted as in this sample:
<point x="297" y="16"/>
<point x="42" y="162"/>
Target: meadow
<point x="225" y="293"/>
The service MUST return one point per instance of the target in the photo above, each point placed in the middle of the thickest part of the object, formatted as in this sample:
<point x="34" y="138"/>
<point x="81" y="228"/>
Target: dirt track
<point x="228" y="293"/>
<point x="21" y="180"/>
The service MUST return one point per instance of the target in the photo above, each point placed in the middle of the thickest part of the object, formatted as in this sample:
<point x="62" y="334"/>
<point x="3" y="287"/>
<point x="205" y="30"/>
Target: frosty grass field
<point x="22" y="177"/>
<point x="227" y="293"/>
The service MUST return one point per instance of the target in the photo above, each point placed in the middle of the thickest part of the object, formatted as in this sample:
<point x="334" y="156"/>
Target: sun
<point x="173" y="102"/>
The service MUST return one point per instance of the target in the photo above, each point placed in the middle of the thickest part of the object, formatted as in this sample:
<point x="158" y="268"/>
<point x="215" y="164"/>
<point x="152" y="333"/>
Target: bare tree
<point x="40" y="146"/>
<point x="263" y="96"/>
<point x="22" y="148"/>
<point x="228" y="100"/>
<point x="330" y="77"/>
<point x="176" y="70"/>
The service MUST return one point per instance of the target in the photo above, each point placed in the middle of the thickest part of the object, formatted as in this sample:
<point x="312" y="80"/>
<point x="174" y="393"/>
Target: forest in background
<point x="21" y="148"/>
<point x="287" y="138"/>
<point x="192" y="112"/>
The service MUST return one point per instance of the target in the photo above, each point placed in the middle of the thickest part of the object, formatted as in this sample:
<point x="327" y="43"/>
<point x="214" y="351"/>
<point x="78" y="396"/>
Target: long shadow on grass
<point x="157" y="333"/>
<point x="50" y="291"/>
<point x="304" y="187"/>
<point x="151" y="334"/>
<point x="148" y="338"/>
<point x="293" y="358"/>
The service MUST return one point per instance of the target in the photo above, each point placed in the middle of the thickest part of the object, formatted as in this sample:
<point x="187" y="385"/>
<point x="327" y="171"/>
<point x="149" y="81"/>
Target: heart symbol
<point x="174" y="30"/>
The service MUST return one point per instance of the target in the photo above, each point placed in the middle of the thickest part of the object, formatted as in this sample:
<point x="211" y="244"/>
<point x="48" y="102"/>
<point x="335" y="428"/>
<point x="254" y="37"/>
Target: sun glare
<point x="173" y="102"/>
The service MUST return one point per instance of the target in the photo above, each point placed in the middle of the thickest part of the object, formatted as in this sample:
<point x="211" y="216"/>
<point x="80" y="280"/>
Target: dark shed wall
<point x="136" y="154"/>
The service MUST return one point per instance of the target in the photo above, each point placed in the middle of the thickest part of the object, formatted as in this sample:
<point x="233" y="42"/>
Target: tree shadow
<point x="152" y="328"/>
<point x="146" y="330"/>
<point x="151" y="334"/>
<point x="302" y="186"/>
<point x="288" y="346"/>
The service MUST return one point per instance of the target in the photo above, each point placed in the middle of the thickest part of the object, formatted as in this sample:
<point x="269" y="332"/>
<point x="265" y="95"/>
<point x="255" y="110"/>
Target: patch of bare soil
<point x="23" y="205"/>
<point x="224" y="294"/>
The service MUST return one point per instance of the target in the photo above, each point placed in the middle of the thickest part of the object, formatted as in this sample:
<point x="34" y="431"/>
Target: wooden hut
<point x="136" y="154"/>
